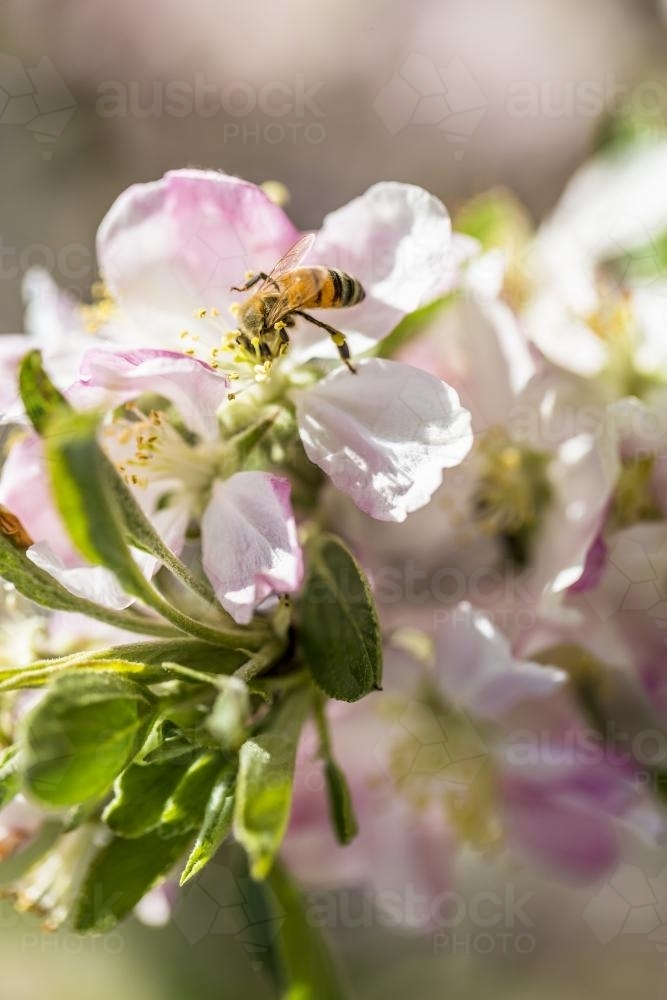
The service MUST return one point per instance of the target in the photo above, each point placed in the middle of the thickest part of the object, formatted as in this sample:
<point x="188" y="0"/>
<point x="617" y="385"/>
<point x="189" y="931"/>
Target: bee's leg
<point x="252" y="280"/>
<point x="283" y="335"/>
<point x="337" y="337"/>
<point x="243" y="341"/>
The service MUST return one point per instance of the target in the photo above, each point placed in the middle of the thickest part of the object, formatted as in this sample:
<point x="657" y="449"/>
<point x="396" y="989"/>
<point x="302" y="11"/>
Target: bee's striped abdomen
<point x="347" y="291"/>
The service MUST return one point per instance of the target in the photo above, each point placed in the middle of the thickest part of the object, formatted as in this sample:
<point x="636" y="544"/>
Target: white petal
<point x="384" y="435"/>
<point x="481" y="350"/>
<point x="249" y="543"/>
<point x="582" y="475"/>
<point x="396" y="240"/>
<point x="478" y="671"/>
<point x="93" y="583"/>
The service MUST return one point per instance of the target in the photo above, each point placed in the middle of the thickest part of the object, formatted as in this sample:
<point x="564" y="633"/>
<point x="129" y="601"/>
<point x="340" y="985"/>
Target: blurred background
<point x="326" y="98"/>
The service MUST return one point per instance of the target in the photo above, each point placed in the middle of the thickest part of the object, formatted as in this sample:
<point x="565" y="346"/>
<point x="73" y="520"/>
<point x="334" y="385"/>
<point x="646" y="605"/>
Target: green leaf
<point x="121" y="874"/>
<point x="264" y="783"/>
<point x="84" y="731"/>
<point x="340" y="633"/>
<point x="185" y="808"/>
<point x="10" y="774"/>
<point x="141" y="794"/>
<point x="216" y="824"/>
<point x="306" y="967"/>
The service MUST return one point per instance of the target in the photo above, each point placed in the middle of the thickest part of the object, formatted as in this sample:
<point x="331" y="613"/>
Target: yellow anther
<point x="231" y="396"/>
<point x="200" y="313"/>
<point x="338" y="339"/>
<point x="214" y="311"/>
<point x="184" y="334"/>
<point x="235" y="308"/>
<point x="276" y="192"/>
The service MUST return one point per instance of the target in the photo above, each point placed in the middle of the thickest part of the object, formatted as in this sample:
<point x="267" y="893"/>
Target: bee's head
<point x="251" y="318"/>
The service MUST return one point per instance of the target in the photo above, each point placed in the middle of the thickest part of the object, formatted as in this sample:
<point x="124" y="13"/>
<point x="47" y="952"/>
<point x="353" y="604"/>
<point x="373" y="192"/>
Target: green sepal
<point x="185" y="808"/>
<point x="141" y="793"/>
<point x="216" y="824"/>
<point x="340" y="803"/>
<point x="142" y="660"/>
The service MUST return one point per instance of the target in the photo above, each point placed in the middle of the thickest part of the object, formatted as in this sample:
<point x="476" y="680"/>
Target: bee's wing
<point x="291" y="259"/>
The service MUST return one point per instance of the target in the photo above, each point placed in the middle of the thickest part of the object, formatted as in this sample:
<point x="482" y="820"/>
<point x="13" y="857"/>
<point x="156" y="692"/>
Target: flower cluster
<point x="256" y="466"/>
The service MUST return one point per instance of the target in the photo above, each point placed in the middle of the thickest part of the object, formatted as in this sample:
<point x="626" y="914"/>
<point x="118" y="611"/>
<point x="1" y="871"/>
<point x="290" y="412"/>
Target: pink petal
<point x="565" y="836"/>
<point x="384" y="435"/>
<point x="194" y="388"/>
<point x="594" y="566"/>
<point x="178" y="244"/>
<point x="249" y="543"/>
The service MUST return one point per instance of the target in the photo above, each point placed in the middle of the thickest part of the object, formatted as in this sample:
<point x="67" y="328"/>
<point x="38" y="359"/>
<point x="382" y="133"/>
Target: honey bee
<point x="266" y="316"/>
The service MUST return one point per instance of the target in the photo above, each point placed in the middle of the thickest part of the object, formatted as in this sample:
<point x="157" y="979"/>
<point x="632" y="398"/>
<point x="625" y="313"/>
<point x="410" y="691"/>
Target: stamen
<point x="100" y="311"/>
